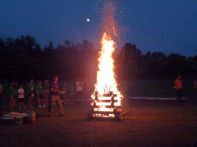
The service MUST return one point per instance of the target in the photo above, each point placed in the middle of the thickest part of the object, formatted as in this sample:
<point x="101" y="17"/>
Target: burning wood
<point x="106" y="98"/>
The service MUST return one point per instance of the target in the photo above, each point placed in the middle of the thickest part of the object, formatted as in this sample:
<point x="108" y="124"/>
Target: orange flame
<point x="106" y="81"/>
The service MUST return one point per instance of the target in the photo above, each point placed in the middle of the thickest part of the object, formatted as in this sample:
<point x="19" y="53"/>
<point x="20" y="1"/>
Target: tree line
<point x="23" y="58"/>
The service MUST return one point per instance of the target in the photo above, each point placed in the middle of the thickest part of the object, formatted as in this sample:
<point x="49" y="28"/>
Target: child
<point x="21" y="97"/>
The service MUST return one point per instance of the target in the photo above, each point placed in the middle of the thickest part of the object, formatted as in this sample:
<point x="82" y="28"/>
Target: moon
<point x="88" y="19"/>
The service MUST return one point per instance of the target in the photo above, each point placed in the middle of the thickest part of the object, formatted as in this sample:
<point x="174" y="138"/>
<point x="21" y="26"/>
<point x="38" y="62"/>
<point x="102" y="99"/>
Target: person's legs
<point x="55" y="99"/>
<point x="12" y="103"/>
<point x="30" y="101"/>
<point x="179" y="94"/>
<point x="42" y="100"/>
<point x="22" y="101"/>
<point x="36" y="100"/>
<point x="46" y="97"/>
<point x="0" y="101"/>
<point x="19" y="103"/>
<point x="39" y="101"/>
<point x="51" y="102"/>
<point x="61" y="108"/>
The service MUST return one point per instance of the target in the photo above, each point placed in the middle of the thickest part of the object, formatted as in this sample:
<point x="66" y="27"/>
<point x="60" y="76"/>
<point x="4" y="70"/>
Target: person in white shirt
<point x="21" y="97"/>
<point x="79" y="89"/>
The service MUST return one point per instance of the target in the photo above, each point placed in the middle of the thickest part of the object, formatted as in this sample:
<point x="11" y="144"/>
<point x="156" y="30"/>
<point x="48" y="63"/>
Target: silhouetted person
<point x="31" y="92"/>
<point x="12" y="95"/>
<point x="40" y="94"/>
<point x="21" y="97"/>
<point x="178" y="85"/>
<point x="46" y="91"/>
<point x="1" y="93"/>
<point x="55" y="97"/>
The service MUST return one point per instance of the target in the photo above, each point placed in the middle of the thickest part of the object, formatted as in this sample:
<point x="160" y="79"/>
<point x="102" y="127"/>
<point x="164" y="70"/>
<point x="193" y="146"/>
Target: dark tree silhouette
<point x="23" y="58"/>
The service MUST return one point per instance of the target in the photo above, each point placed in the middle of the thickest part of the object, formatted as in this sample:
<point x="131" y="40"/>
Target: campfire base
<point x="109" y="101"/>
<point x="98" y="115"/>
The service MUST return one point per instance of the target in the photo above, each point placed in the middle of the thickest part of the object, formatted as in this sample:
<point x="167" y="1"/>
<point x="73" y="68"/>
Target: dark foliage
<point x="156" y="65"/>
<point x="23" y="58"/>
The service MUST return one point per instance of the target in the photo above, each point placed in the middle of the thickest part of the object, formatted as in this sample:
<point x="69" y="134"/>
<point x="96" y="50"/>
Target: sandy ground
<point x="149" y="123"/>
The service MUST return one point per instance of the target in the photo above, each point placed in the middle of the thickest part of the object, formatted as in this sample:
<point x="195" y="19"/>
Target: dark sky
<point x="153" y="25"/>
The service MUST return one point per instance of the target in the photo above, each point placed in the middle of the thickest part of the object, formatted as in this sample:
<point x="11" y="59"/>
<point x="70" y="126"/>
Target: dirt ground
<point x="148" y="123"/>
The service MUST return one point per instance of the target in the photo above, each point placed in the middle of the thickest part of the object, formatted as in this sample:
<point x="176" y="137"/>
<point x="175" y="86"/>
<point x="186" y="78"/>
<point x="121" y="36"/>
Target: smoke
<point x="109" y="24"/>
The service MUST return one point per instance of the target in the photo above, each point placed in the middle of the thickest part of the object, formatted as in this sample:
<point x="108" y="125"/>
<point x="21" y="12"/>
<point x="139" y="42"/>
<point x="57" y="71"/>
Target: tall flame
<point x="107" y="97"/>
<point x="106" y="81"/>
<point x="105" y="75"/>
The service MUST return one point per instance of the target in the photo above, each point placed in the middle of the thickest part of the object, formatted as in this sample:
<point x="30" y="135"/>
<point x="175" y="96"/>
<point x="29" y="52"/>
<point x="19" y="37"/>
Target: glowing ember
<point x="107" y="97"/>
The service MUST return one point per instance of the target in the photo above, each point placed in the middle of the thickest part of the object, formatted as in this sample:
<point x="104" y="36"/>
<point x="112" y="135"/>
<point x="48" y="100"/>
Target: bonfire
<point x="106" y="97"/>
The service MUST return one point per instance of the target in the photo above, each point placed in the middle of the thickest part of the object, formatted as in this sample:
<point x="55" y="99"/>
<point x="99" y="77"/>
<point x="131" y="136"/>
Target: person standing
<point x="63" y="95"/>
<point x="46" y="91"/>
<point x="39" y="93"/>
<point x="1" y="93"/>
<point x="178" y="85"/>
<point x="12" y="95"/>
<point x="21" y="97"/>
<point x="55" y="97"/>
<point x="31" y="93"/>
<point x="79" y="89"/>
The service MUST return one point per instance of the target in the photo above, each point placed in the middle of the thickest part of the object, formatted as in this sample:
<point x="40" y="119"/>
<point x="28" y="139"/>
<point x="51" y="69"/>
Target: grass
<point x="159" y="88"/>
<point x="149" y="123"/>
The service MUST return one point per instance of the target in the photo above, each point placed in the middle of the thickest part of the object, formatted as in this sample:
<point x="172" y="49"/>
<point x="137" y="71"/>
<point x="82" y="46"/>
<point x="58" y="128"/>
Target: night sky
<point x="153" y="25"/>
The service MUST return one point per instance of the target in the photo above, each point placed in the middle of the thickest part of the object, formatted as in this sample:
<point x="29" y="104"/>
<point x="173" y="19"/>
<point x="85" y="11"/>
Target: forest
<point x="23" y="58"/>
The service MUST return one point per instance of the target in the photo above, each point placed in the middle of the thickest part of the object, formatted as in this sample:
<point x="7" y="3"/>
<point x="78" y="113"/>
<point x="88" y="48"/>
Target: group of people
<point x="41" y="94"/>
<point x="30" y="94"/>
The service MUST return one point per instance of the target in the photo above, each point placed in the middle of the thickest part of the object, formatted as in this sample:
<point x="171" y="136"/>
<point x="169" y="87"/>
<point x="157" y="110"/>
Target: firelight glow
<point x="106" y="81"/>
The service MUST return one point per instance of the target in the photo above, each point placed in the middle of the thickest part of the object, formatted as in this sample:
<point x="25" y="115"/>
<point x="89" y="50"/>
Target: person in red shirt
<point x="178" y="85"/>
